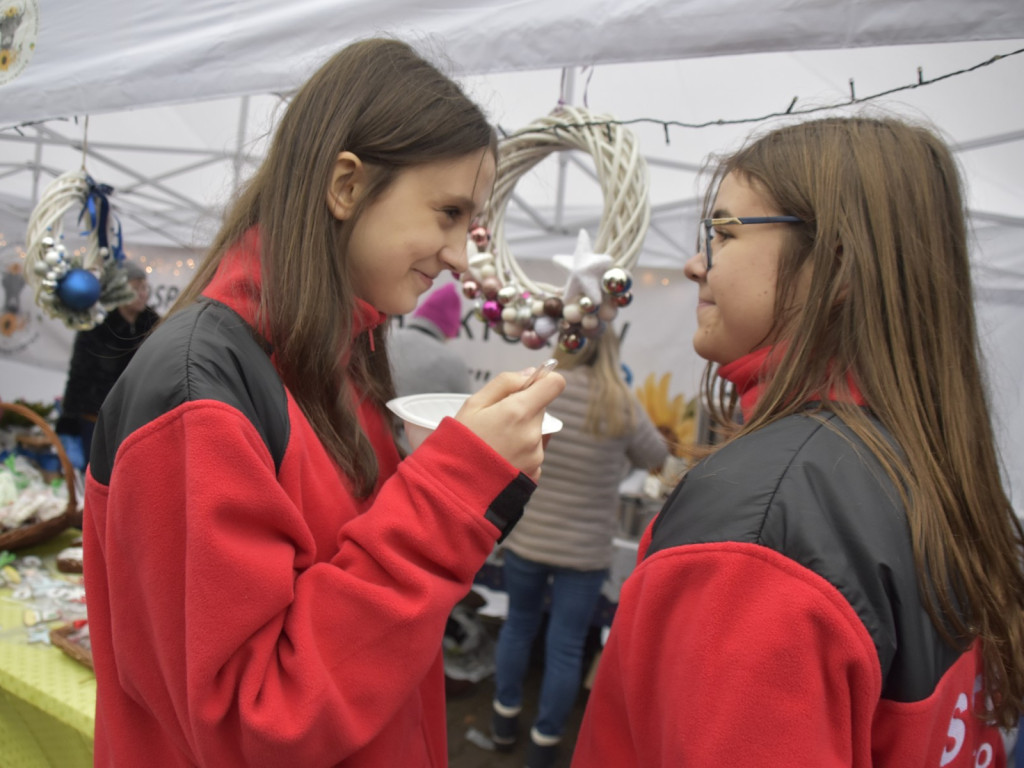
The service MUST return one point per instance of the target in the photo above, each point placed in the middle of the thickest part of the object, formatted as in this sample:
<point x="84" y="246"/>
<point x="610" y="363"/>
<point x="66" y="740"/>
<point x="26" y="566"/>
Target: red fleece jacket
<point x="246" y="617"/>
<point x="729" y="653"/>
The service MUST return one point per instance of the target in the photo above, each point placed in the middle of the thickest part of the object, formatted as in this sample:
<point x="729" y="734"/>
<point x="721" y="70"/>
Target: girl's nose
<point x="453" y="256"/>
<point x="696" y="267"/>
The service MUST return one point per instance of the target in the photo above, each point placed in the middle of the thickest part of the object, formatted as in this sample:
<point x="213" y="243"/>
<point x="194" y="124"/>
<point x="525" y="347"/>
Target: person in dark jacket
<point x="101" y="354"/>
<point x="838" y="582"/>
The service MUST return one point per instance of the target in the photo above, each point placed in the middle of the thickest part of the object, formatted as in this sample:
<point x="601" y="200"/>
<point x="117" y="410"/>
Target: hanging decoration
<point x="81" y="287"/>
<point x="599" y="279"/>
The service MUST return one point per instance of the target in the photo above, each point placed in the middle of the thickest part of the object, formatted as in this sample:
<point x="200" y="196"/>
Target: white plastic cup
<point x="422" y="413"/>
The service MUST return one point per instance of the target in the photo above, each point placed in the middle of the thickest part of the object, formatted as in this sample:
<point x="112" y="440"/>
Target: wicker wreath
<point x="621" y="171"/>
<point x="535" y="311"/>
<point x="77" y="288"/>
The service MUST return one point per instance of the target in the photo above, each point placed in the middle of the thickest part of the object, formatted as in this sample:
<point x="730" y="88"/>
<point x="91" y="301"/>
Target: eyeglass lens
<point x="704" y="236"/>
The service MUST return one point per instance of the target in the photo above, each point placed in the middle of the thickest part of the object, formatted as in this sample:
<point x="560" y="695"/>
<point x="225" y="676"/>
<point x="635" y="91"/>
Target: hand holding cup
<point x="507" y="414"/>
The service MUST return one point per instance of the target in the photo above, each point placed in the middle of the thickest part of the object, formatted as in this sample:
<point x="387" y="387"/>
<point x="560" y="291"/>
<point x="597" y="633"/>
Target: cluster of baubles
<point x="535" y="319"/>
<point x="71" y="292"/>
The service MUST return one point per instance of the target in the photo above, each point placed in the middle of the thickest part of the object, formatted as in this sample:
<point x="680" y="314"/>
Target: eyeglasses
<point x="706" y="230"/>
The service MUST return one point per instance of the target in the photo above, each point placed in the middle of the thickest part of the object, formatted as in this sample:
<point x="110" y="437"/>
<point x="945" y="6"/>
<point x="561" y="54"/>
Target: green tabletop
<point x="47" y="699"/>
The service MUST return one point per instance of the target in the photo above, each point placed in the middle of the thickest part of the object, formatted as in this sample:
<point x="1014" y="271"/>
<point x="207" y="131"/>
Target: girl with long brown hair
<point x="267" y="585"/>
<point x="839" y="582"/>
<point x="563" y="547"/>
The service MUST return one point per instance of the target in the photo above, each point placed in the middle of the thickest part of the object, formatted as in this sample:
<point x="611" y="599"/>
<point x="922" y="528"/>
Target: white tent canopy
<point x="121" y="54"/>
<point x="177" y="98"/>
<point x="173" y="104"/>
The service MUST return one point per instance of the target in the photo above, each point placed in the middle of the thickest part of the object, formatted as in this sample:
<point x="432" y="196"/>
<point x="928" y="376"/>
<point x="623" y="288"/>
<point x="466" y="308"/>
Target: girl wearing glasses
<point x="838" y="582"/>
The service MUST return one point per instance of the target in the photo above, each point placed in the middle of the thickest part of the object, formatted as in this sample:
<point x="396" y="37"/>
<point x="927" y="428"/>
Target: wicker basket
<point x="61" y="637"/>
<point x="35" y="533"/>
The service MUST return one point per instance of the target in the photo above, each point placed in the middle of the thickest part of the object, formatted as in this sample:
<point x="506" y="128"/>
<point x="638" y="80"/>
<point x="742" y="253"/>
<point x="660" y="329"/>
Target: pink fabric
<point x="443" y="308"/>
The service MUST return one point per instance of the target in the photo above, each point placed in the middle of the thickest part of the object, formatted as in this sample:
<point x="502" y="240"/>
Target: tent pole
<point x="36" y="168"/>
<point x="568" y="88"/>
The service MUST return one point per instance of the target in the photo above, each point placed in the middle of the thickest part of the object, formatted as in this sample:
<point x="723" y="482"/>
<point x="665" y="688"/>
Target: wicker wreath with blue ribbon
<point x="77" y="287"/>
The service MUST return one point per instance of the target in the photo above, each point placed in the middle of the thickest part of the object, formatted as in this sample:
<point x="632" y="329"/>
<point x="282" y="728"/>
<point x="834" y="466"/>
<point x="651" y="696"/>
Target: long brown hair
<point x="890" y="302"/>
<point x="610" y="406"/>
<point x="383" y="102"/>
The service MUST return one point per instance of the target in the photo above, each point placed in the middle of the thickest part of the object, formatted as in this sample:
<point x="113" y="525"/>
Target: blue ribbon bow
<point x="97" y="206"/>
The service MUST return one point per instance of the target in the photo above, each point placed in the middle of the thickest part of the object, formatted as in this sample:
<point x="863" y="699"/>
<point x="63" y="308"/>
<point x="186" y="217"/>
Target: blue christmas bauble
<point x="79" y="289"/>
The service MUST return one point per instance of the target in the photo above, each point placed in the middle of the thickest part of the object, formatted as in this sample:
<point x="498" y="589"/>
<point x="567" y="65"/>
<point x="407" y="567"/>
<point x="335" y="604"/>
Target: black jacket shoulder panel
<point x="205" y="352"/>
<point x="808" y="488"/>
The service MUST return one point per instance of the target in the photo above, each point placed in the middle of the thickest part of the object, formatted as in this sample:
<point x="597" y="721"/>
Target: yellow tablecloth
<point x="47" y="699"/>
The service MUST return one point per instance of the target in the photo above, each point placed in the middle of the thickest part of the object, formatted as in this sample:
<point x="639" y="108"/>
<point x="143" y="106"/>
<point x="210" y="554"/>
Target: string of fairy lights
<point x="792" y="109"/>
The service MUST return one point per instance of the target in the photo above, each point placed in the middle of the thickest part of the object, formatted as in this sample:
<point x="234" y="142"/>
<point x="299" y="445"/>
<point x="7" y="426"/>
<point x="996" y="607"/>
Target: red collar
<point x="751" y="373"/>
<point x="238" y="284"/>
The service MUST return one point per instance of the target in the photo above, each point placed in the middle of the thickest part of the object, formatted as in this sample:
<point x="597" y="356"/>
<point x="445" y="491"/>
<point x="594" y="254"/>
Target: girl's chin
<point x="397" y="305"/>
<point x="710" y="352"/>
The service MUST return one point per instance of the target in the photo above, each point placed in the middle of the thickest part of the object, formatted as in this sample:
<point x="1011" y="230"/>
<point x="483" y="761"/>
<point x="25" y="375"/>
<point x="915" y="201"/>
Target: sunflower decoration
<point x="676" y="419"/>
<point x="10" y="19"/>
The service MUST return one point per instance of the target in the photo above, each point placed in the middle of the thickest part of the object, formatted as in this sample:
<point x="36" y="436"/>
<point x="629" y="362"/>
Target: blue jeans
<point x="1019" y="755"/>
<point x="574" y="596"/>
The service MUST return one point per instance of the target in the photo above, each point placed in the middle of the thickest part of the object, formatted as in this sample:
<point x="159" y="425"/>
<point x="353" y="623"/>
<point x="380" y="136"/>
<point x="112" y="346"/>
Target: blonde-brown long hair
<point x="891" y="303"/>
<point x="383" y="102"/>
<point x="610" y="407"/>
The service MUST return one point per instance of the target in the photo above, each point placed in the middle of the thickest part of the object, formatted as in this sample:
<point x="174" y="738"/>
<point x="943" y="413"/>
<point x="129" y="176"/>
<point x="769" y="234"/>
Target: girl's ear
<point x="346" y="186"/>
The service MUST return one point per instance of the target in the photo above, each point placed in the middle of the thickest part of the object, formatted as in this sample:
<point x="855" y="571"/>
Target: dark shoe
<point x="504" y="726"/>
<point x="541" y="750"/>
